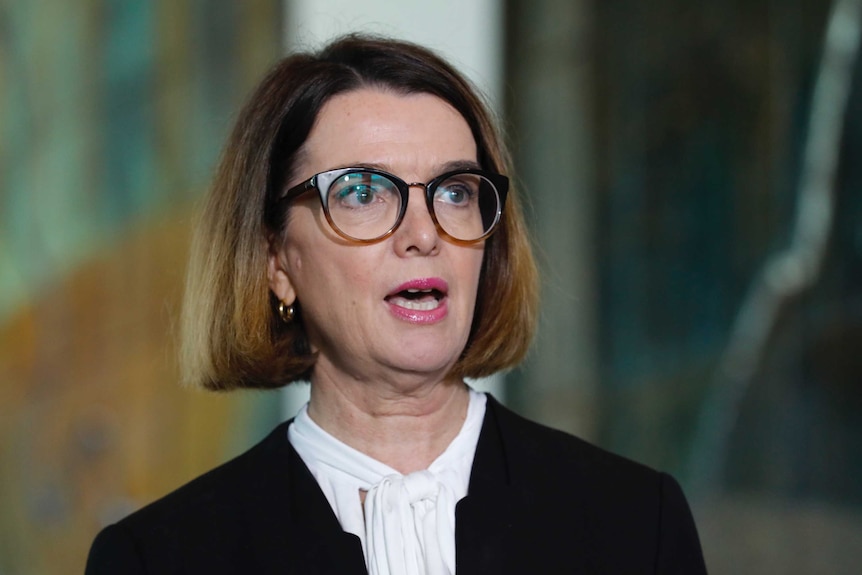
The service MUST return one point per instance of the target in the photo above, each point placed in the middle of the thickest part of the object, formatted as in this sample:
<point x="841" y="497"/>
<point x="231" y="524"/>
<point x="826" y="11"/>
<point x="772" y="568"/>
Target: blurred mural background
<point x="111" y="116"/>
<point x="719" y="313"/>
<point x="664" y="146"/>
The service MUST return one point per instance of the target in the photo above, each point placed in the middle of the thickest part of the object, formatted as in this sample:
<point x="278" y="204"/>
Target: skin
<point x="380" y="381"/>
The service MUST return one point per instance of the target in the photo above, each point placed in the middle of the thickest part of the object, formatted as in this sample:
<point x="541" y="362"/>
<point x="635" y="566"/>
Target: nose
<point x="417" y="234"/>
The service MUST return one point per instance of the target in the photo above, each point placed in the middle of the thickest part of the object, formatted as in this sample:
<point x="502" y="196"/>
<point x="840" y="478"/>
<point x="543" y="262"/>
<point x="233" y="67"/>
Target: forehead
<point x="411" y="135"/>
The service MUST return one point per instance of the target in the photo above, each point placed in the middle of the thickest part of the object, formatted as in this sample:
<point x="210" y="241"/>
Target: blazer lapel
<point x="320" y="545"/>
<point x="498" y="527"/>
<point x="484" y="519"/>
<point x="292" y="529"/>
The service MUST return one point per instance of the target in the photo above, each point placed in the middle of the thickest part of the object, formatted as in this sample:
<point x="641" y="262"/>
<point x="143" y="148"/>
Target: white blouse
<point x="408" y="525"/>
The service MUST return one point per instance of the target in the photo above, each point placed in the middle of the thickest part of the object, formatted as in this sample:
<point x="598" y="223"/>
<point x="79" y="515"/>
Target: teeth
<point x="412" y="290"/>
<point x="421" y="306"/>
<point x="417" y="305"/>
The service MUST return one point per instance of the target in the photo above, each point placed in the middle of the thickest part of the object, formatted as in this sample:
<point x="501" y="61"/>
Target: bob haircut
<point x="232" y="336"/>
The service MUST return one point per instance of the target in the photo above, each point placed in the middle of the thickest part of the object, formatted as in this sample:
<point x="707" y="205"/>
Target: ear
<point x="279" y="280"/>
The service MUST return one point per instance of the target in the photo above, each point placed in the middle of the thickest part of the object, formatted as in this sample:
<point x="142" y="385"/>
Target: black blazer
<point x="539" y="501"/>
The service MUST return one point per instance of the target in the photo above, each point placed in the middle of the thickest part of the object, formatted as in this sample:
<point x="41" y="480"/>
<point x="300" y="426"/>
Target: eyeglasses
<point x="366" y="205"/>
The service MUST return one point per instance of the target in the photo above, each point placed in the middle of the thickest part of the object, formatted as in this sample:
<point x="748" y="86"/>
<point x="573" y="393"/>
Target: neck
<point x="407" y="429"/>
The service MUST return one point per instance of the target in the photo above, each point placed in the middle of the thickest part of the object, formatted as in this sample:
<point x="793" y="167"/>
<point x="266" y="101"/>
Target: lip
<point x="419" y="316"/>
<point x="438" y="284"/>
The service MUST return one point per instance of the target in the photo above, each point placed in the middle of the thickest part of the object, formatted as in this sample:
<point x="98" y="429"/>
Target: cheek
<point x="295" y="262"/>
<point x="303" y="247"/>
<point x="322" y="274"/>
<point x="475" y="267"/>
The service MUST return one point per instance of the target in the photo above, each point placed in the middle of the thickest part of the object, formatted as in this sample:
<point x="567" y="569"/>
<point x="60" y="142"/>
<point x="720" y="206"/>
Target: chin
<point x="425" y="366"/>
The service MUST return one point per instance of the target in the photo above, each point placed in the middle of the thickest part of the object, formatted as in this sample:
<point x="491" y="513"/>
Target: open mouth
<point x="417" y="299"/>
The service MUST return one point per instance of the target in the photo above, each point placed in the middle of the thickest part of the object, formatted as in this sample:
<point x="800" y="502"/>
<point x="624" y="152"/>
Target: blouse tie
<point x="405" y="531"/>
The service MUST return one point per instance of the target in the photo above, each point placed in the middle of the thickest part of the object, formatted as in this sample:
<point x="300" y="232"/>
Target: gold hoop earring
<point x="286" y="312"/>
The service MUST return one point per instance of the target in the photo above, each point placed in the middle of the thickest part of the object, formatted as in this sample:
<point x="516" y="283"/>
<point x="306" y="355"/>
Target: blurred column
<point x="550" y="69"/>
<point x="468" y="34"/>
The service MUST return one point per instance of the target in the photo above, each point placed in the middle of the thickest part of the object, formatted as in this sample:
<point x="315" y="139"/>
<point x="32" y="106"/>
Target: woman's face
<point x="404" y="305"/>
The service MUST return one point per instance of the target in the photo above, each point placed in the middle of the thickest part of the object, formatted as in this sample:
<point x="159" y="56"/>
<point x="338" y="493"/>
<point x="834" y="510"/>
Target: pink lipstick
<point x="421" y="301"/>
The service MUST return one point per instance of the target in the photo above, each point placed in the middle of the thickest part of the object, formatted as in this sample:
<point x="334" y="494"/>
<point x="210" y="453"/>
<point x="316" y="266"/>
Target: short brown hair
<point x="231" y="334"/>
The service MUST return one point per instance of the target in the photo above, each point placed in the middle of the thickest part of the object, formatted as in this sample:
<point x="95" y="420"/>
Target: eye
<point x="359" y="190"/>
<point x="455" y="193"/>
<point x="360" y="194"/>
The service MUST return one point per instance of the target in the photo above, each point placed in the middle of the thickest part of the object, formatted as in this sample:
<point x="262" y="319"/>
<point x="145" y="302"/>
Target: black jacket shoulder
<point x="240" y="517"/>
<point x="612" y="514"/>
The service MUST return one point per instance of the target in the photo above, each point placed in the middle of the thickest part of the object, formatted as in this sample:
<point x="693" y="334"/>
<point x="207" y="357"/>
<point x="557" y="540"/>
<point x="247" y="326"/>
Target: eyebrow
<point x="450" y="166"/>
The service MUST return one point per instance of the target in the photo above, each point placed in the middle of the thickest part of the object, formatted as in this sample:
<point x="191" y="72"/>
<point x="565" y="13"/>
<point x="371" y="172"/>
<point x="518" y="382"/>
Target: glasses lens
<point x="363" y="205"/>
<point x="467" y="206"/>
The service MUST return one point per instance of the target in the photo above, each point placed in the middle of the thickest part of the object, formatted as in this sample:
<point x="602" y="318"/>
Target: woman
<point x="361" y="234"/>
